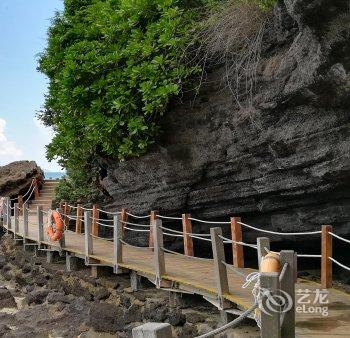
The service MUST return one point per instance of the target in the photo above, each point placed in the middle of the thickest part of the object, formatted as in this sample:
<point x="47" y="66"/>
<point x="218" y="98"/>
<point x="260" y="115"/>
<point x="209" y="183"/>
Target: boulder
<point x="16" y="177"/>
<point x="6" y="299"/>
<point x="37" y="296"/>
<point x="104" y="317"/>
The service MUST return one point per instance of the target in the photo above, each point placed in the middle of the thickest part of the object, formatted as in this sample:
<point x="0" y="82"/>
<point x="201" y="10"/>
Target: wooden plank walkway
<point x="197" y="276"/>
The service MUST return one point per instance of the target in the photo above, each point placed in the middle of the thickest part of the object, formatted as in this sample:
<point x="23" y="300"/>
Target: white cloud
<point x="8" y="149"/>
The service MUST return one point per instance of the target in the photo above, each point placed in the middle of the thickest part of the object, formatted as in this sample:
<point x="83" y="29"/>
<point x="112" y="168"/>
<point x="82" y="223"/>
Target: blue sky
<point x="23" y="30"/>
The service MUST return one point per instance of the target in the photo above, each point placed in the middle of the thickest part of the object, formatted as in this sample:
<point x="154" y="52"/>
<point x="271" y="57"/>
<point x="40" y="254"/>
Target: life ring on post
<point x="270" y="262"/>
<point x="56" y="233"/>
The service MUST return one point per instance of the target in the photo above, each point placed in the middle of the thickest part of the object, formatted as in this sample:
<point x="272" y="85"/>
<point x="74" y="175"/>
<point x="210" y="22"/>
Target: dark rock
<point x="133" y="314"/>
<point x="57" y="297"/>
<point x="4" y="329"/>
<point x="27" y="268"/>
<point x="40" y="280"/>
<point x="3" y="261"/>
<point x="16" y="177"/>
<point x="283" y="164"/>
<point x="28" y="288"/>
<point x="188" y="330"/>
<point x="7" y="267"/>
<point x="101" y="294"/>
<point x="23" y="280"/>
<point x="104" y="317"/>
<point x="155" y="311"/>
<point x="37" y="296"/>
<point x="194" y="317"/>
<point x="6" y="299"/>
<point x="176" y="317"/>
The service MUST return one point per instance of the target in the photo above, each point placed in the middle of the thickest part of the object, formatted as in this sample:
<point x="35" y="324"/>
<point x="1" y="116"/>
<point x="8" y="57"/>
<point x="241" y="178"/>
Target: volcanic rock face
<point x="283" y="164"/>
<point x="16" y="177"/>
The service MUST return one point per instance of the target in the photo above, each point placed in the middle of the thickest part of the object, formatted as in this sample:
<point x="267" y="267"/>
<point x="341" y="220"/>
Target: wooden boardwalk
<point x="195" y="275"/>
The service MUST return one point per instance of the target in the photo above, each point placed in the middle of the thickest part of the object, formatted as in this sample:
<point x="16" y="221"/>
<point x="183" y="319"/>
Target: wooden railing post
<point x="78" y="221"/>
<point x="270" y="318"/>
<point x="158" y="244"/>
<point x="25" y="222"/>
<point x="16" y="217"/>
<point x="124" y="218"/>
<point x="187" y="229"/>
<point x="40" y="217"/>
<point x="95" y="217"/>
<point x="219" y="267"/>
<point x="88" y="237"/>
<point x="287" y="285"/>
<point x="237" y="249"/>
<point x="152" y="218"/>
<point x="263" y="243"/>
<point x="327" y="251"/>
<point x="8" y="213"/>
<point x="20" y="204"/>
<point x="117" y="237"/>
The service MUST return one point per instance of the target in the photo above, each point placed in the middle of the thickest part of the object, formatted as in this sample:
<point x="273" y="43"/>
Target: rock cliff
<point x="283" y="164"/>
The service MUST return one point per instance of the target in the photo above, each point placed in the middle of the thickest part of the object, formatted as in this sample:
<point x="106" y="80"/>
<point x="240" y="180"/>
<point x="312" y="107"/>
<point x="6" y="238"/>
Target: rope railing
<point x="16" y="198"/>
<point x="135" y="224"/>
<point x="339" y="237"/>
<point x="232" y="324"/>
<point x="184" y="233"/>
<point x="136" y="247"/>
<point x="172" y="235"/>
<point x="109" y="212"/>
<point x="137" y="230"/>
<point x="281" y="233"/>
<point x="103" y="238"/>
<point x="309" y="256"/>
<point x="170" y="217"/>
<point x="339" y="264"/>
<point x="231" y="241"/>
<point x="207" y="222"/>
<point x="136" y="216"/>
<point x="105" y="225"/>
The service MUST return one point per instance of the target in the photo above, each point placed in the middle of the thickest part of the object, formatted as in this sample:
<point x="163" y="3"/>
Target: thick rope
<point x="170" y="217"/>
<point x="135" y="224"/>
<point x="231" y="241"/>
<point x="281" y="233"/>
<point x="232" y="324"/>
<point x="339" y="264"/>
<point x="136" y="247"/>
<point x="339" y="237"/>
<point x="136" y="216"/>
<point x="137" y="230"/>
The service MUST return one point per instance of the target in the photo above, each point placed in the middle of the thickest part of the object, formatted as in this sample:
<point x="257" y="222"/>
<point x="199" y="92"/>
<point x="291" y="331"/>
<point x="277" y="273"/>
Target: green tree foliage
<point x="113" y="66"/>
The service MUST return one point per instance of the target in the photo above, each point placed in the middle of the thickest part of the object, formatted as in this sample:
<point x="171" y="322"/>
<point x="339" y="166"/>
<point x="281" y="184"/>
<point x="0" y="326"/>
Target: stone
<point x="101" y="294"/>
<point x="3" y="261"/>
<point x="104" y="317"/>
<point x="154" y="330"/>
<point x="40" y="280"/>
<point x="284" y="164"/>
<point x="6" y="299"/>
<point x="57" y="297"/>
<point x="188" y="330"/>
<point x="194" y="317"/>
<point x="26" y="268"/>
<point x="16" y="177"/>
<point x="203" y="328"/>
<point x="133" y="314"/>
<point x="155" y="311"/>
<point x="37" y="296"/>
<point x="176" y="317"/>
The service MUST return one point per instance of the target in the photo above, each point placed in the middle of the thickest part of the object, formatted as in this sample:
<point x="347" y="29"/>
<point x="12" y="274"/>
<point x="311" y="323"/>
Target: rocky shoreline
<point x="43" y="300"/>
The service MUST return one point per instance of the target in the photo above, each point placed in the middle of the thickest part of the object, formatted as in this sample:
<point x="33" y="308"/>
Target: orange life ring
<point x="57" y="233"/>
